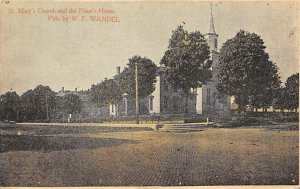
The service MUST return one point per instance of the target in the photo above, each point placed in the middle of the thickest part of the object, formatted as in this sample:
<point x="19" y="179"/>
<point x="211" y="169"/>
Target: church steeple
<point x="211" y="23"/>
<point x="212" y="36"/>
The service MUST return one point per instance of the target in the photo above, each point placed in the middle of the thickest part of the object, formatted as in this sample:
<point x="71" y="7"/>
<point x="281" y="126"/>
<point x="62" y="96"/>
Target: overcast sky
<point x="78" y="54"/>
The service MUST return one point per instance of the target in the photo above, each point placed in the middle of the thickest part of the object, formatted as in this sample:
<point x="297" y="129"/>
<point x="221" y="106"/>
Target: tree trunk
<point x="241" y="108"/>
<point x="242" y="102"/>
<point x="117" y="109"/>
<point x="186" y="104"/>
<point x="17" y="116"/>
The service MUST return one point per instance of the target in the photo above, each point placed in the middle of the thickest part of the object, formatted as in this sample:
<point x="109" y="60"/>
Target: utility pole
<point x="47" y="106"/>
<point x="136" y="93"/>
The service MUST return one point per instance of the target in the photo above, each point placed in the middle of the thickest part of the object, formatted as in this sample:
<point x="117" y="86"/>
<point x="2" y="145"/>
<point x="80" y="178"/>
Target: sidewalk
<point x="153" y="126"/>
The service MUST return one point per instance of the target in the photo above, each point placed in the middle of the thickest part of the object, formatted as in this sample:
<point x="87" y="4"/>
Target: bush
<point x="287" y="119"/>
<point x="245" y="121"/>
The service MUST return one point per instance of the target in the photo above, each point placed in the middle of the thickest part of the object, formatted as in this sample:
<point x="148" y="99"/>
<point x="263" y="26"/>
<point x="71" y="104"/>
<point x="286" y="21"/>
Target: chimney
<point x="118" y="70"/>
<point x="76" y="89"/>
<point x="63" y="89"/>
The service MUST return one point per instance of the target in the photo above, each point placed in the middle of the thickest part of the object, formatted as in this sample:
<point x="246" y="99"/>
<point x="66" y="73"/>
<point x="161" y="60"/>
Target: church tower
<point x="212" y="40"/>
<point x="208" y="103"/>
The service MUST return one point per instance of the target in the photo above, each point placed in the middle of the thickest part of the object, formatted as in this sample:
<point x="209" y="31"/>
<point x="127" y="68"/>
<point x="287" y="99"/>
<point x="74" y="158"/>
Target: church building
<point x="204" y="100"/>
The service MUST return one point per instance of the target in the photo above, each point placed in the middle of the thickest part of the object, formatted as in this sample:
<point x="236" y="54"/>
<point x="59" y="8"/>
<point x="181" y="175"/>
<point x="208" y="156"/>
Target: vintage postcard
<point x="149" y="93"/>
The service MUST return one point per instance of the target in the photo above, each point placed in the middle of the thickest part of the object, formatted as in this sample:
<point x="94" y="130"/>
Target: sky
<point x="34" y="50"/>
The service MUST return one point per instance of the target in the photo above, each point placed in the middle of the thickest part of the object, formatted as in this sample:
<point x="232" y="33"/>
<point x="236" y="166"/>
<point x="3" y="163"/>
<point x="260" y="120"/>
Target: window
<point x="151" y="103"/>
<point x="166" y="86"/>
<point x="208" y="96"/>
<point x="165" y="103"/>
<point x="216" y="43"/>
<point x="112" y="108"/>
<point x="175" y="104"/>
<point x="125" y="105"/>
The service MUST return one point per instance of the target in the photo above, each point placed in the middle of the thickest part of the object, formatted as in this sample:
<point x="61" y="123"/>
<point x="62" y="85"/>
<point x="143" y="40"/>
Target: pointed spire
<point x="212" y="36"/>
<point x="211" y="24"/>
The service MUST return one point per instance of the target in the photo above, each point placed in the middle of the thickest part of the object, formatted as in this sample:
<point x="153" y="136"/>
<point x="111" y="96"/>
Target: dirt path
<point x="143" y="158"/>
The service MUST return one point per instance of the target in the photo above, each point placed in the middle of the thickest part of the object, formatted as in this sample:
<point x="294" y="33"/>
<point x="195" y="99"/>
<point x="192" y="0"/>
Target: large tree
<point x="27" y="106"/>
<point x="265" y="93"/>
<point x="246" y="72"/>
<point x="108" y="91"/>
<point x="187" y="60"/>
<point x="146" y="77"/>
<point x="279" y="101"/>
<point x="292" y="92"/>
<point x="73" y="103"/>
<point x="9" y="106"/>
<point x="38" y="104"/>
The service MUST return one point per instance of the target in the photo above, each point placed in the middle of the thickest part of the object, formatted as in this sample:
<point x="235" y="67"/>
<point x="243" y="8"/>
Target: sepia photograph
<point x="149" y="93"/>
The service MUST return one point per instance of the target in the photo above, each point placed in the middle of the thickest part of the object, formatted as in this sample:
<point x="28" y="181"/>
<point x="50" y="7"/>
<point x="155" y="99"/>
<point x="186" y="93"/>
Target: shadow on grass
<point x="56" y="143"/>
<point x="44" y="129"/>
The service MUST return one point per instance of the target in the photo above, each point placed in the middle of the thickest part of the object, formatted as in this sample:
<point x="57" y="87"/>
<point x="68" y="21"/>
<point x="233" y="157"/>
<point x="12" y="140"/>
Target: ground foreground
<point x="100" y="156"/>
